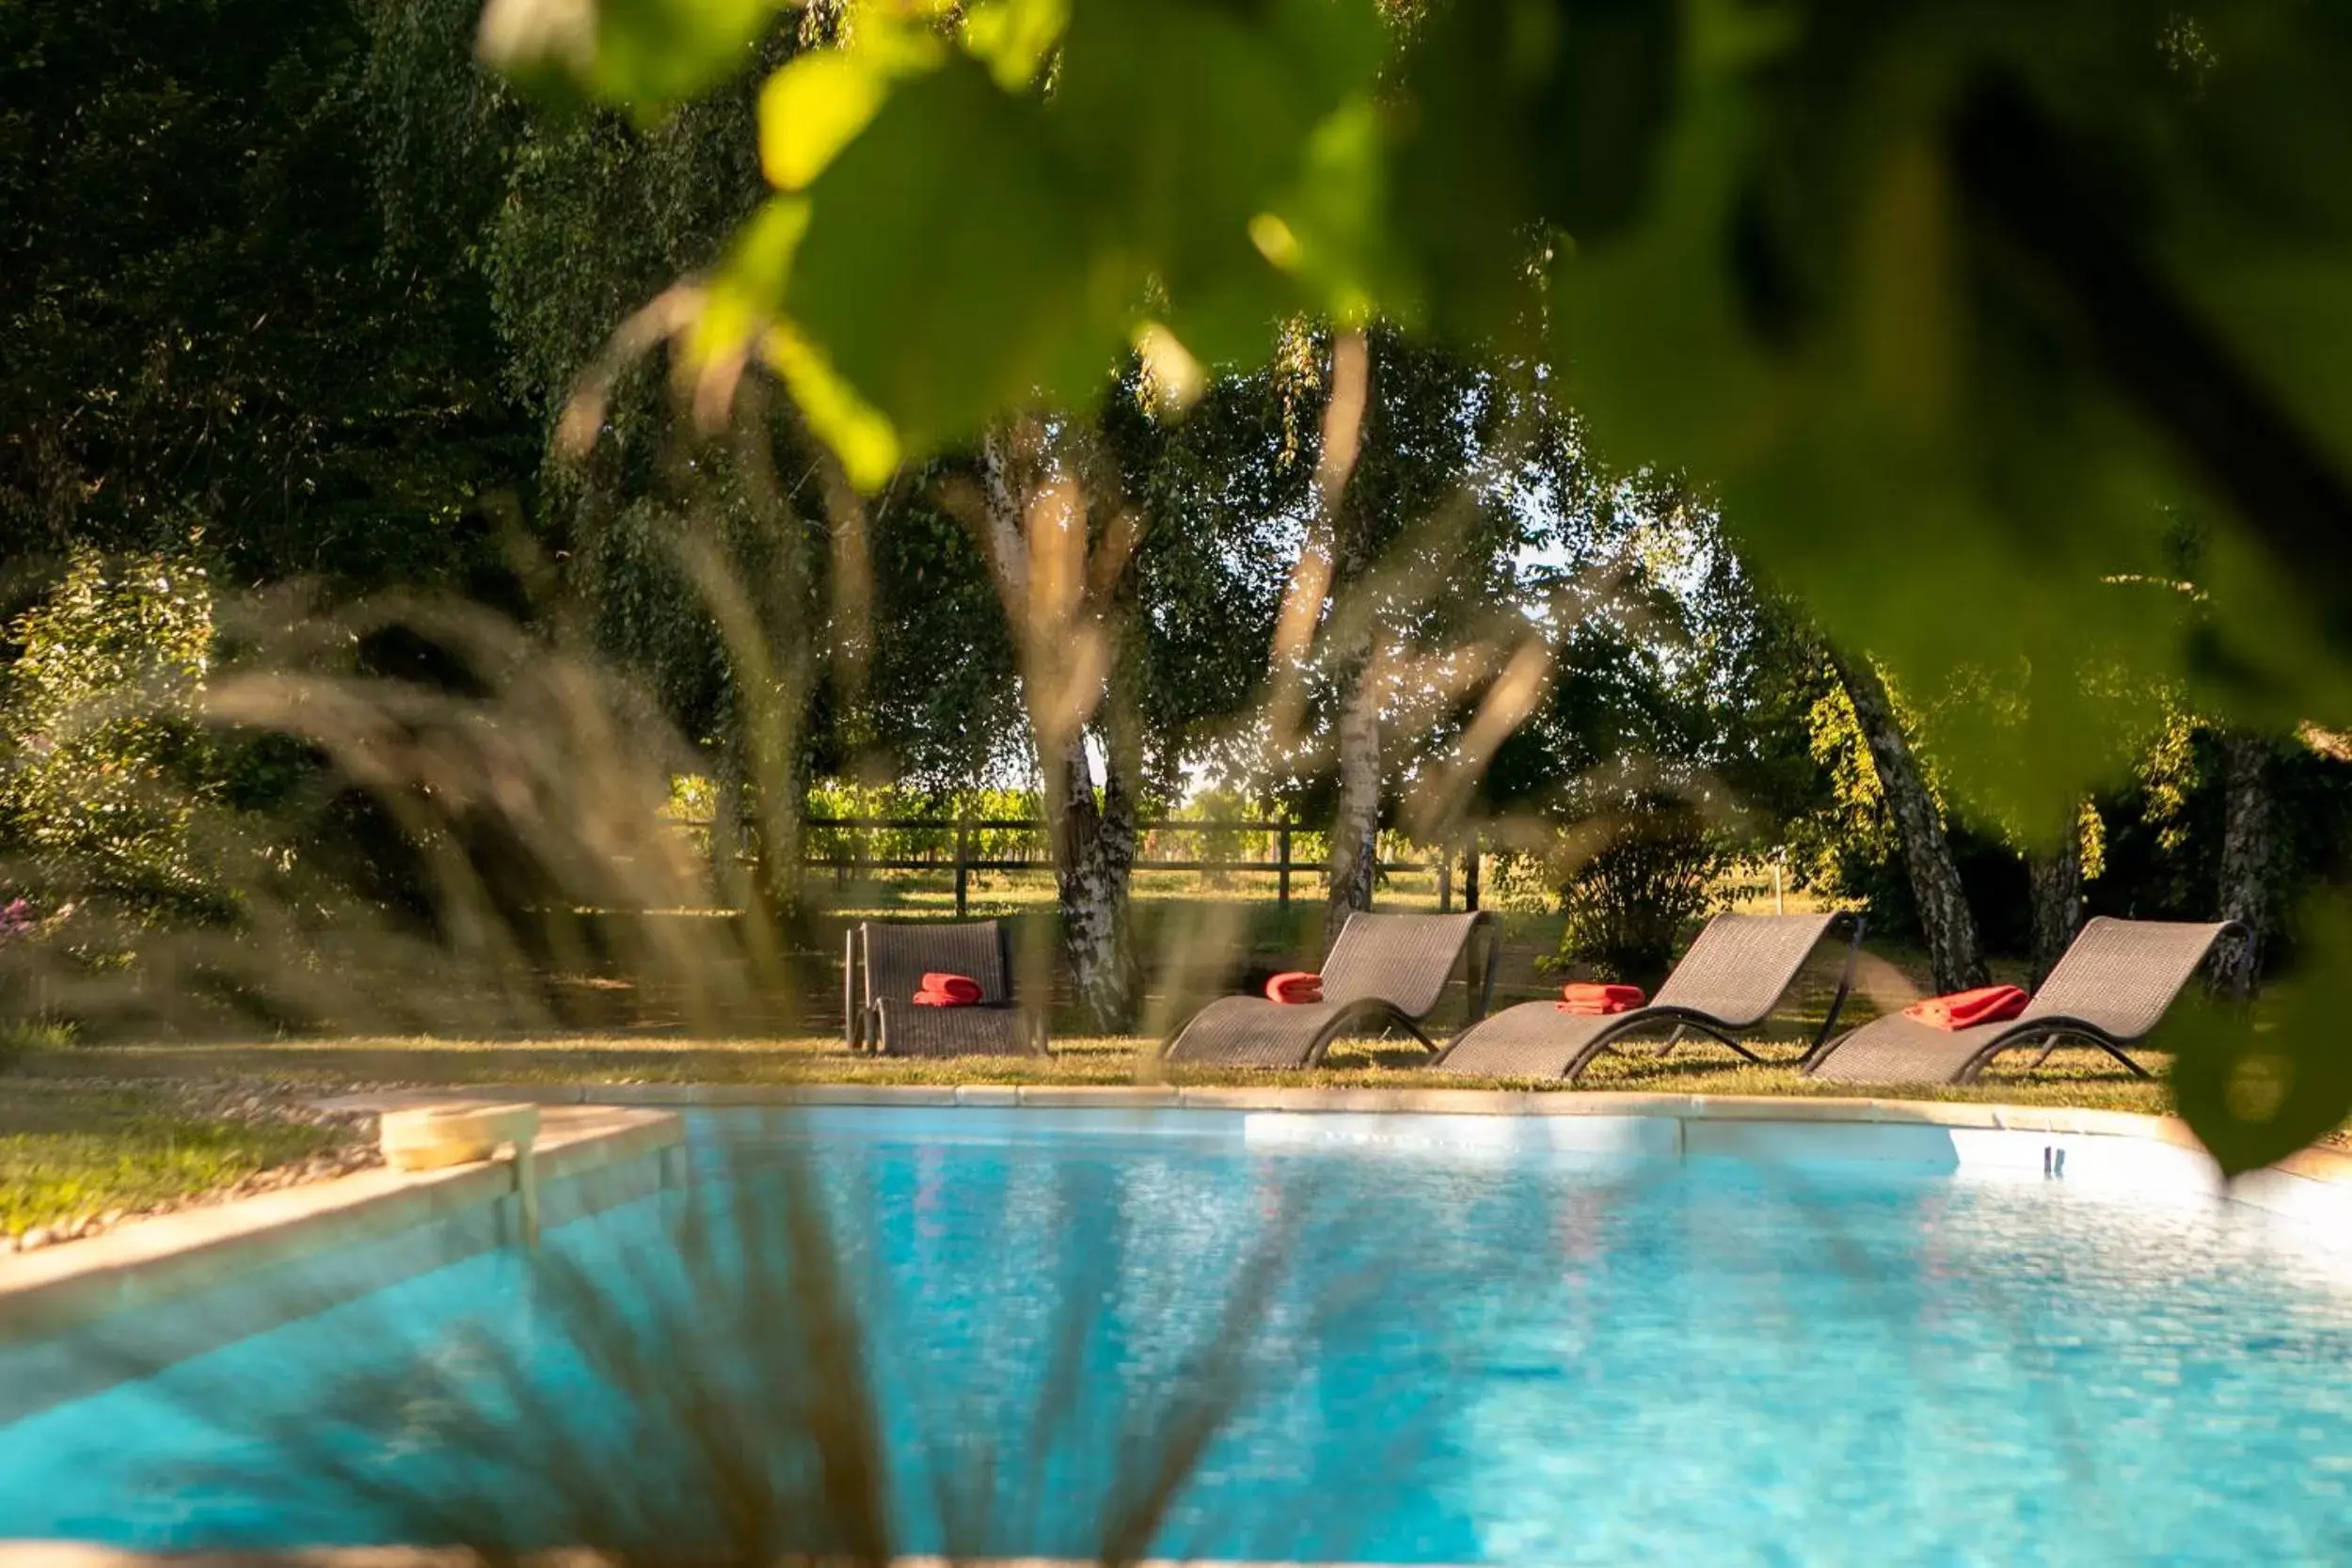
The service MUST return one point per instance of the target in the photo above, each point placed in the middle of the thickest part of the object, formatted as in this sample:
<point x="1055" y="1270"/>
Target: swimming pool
<point x="1469" y="1351"/>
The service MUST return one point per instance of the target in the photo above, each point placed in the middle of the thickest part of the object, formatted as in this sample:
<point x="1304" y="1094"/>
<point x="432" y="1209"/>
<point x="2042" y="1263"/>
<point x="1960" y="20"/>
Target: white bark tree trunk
<point x="1094" y="853"/>
<point x="2247" y="850"/>
<point x="1356" y="824"/>
<point x="2055" y="879"/>
<point x="1065" y="652"/>
<point x="1944" y="917"/>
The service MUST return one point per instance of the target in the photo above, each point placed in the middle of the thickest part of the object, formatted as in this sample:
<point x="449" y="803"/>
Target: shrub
<point x="1656" y="870"/>
<point x="106" y="762"/>
<point x="19" y="1038"/>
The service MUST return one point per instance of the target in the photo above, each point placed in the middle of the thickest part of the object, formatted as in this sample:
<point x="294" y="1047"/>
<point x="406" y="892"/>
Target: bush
<point x="19" y="1038"/>
<point x="1627" y="902"/>
<point x="106" y="760"/>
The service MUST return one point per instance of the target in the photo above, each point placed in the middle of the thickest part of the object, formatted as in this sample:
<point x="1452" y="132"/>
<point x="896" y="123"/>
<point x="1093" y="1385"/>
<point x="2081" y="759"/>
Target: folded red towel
<point x="1294" y="987"/>
<point x="949" y="991"/>
<point x="1593" y="997"/>
<point x="1967" y="1008"/>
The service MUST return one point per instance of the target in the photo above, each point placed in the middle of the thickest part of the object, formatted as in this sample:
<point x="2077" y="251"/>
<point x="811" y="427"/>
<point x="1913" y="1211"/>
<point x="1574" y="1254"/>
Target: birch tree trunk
<point x="1951" y="931"/>
<point x="2246" y="846"/>
<point x="1094" y="840"/>
<point x="2056" y="878"/>
<point x="1094" y="857"/>
<point x="1355" y="825"/>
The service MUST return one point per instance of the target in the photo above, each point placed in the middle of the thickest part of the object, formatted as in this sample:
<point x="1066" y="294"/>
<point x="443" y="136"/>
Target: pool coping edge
<point x="2314" y="1164"/>
<point x="179" y="1254"/>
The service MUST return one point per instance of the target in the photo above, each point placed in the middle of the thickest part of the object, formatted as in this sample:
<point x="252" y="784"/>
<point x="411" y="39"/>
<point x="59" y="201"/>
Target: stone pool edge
<point x="2313" y="1165"/>
<point x="588" y="1160"/>
<point x="74" y="1554"/>
<point x="598" y="1127"/>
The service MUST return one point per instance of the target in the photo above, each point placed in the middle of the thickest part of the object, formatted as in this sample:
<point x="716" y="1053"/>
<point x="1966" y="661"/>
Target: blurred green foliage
<point x="108" y="763"/>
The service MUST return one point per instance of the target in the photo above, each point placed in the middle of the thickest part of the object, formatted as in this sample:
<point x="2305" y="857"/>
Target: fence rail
<point x="960" y="854"/>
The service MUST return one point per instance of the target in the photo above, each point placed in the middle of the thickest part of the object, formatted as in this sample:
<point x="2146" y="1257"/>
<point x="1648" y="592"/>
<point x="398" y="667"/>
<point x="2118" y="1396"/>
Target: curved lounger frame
<point x="1391" y="972"/>
<point x="1733" y="977"/>
<point x="2126" y="972"/>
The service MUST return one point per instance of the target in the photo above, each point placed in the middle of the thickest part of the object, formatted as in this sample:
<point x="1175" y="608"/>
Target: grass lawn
<point x="2083" y="1078"/>
<point x="68" y="1151"/>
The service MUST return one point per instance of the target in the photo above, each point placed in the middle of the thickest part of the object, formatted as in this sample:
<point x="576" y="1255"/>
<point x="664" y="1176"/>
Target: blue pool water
<point x="1461" y="1357"/>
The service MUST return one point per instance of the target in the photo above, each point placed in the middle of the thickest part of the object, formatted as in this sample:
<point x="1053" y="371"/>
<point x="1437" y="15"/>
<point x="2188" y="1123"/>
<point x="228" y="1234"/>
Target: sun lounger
<point x="1386" y="970"/>
<point x="1730" y="980"/>
<point x="2113" y="985"/>
<point x="885" y="968"/>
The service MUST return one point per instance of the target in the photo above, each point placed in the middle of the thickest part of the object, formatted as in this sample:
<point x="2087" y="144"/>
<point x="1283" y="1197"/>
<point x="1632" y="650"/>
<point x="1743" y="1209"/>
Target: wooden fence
<point x="957" y="845"/>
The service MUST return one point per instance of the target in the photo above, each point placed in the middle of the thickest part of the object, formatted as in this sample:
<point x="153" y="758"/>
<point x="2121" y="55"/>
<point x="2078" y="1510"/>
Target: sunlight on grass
<point x="67" y="1152"/>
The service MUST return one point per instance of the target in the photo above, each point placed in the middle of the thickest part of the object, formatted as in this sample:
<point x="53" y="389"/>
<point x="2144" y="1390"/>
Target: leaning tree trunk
<point x="2056" y="878"/>
<point x="1355" y="826"/>
<point x="1951" y="931"/>
<point x="1094" y="857"/>
<point x="2247" y="847"/>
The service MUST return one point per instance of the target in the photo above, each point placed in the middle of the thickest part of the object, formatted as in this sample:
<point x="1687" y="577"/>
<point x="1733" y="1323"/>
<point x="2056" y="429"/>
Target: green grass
<point x="2077" y="1078"/>
<point x="68" y="1151"/>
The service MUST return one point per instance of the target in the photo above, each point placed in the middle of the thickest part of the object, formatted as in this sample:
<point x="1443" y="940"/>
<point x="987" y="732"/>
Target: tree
<point x="213" y="320"/>
<point x="2055" y="875"/>
<point x="1412" y="548"/>
<point x="1063" y="570"/>
<point x="1943" y="904"/>
<point x="2247" y="857"/>
<point x="1339" y="556"/>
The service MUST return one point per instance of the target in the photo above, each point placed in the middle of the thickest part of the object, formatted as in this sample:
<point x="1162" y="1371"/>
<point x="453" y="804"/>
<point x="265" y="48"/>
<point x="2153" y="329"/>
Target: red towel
<point x="1294" y="987"/>
<point x="949" y="991"/>
<point x="1964" y="1009"/>
<point x="1592" y="998"/>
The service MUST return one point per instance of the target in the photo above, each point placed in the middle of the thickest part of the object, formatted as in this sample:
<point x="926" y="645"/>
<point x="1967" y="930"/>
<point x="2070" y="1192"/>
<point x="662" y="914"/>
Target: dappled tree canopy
<point x="1901" y="443"/>
<point x="210" y="324"/>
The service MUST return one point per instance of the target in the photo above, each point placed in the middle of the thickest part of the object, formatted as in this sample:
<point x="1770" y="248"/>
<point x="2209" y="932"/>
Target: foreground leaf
<point x="2255" y="1090"/>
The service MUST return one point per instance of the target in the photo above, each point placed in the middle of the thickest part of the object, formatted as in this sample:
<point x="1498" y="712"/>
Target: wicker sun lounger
<point x="884" y="967"/>
<point x="2112" y="987"/>
<point x="1731" y="979"/>
<point x="1386" y="969"/>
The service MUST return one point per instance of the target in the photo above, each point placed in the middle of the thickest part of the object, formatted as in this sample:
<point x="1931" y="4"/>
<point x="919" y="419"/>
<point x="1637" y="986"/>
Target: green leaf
<point x="857" y="432"/>
<point x="1014" y="38"/>
<point x="1888" y="418"/>
<point x="815" y="105"/>
<point x="948" y="288"/>
<point x="747" y="288"/>
<point x="810" y="109"/>
<point x="2255" y="1090"/>
<point x="1599" y="113"/>
<point x="1187" y="124"/>
<point x="1526" y="116"/>
<point x="1334" y="217"/>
